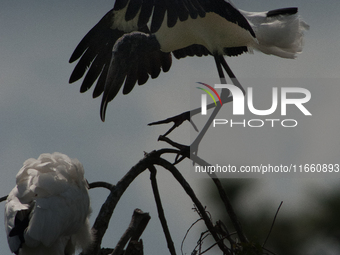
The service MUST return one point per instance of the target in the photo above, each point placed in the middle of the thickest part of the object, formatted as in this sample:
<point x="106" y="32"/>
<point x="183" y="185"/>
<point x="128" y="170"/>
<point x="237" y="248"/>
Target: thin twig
<point x="271" y="228"/>
<point x="160" y="210"/>
<point x="186" y="234"/>
<point x="209" y="248"/>
<point x="3" y="198"/>
<point x="106" y="185"/>
<point x="224" y="232"/>
<point x="203" y="235"/>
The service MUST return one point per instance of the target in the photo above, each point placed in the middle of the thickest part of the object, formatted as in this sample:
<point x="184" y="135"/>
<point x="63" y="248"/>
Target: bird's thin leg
<point x="224" y="95"/>
<point x="179" y="119"/>
<point x="230" y="73"/>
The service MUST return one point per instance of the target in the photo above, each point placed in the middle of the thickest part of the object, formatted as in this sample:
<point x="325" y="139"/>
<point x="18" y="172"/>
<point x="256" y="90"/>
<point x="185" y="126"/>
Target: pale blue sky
<point x="41" y="112"/>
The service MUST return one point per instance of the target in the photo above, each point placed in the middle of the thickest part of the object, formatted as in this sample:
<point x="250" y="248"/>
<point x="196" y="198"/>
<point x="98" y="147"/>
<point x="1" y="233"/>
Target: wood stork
<point x="47" y="211"/>
<point x="136" y="38"/>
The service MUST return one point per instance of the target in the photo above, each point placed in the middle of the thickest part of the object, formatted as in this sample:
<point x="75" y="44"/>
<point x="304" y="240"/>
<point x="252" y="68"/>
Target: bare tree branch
<point x="224" y="198"/>
<point x="184" y="152"/>
<point x="151" y="159"/>
<point x="134" y="231"/>
<point x="160" y="210"/>
<point x="178" y="176"/>
<point x="106" y="211"/>
<point x="106" y="185"/>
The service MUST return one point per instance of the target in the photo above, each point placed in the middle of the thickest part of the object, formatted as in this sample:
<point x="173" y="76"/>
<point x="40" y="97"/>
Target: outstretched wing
<point x="146" y="16"/>
<point x="95" y="51"/>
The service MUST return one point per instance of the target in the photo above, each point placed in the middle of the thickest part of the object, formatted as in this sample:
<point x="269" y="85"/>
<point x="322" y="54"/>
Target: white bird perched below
<point x="135" y="39"/>
<point x="47" y="211"/>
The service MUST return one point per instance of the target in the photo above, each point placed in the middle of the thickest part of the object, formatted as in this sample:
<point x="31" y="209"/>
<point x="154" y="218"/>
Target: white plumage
<point x="279" y="35"/>
<point x="47" y="211"/>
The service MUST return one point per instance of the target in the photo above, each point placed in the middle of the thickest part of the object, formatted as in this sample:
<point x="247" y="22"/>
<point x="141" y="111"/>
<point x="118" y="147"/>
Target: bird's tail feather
<point x="278" y="32"/>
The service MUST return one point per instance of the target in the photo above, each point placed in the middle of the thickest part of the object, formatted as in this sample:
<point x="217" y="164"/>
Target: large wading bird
<point x="47" y="211"/>
<point x="136" y="38"/>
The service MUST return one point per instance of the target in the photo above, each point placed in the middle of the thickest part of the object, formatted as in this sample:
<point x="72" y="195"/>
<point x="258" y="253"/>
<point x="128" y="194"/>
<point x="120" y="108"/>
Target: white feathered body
<point x="280" y="35"/>
<point x="212" y="31"/>
<point x="51" y="196"/>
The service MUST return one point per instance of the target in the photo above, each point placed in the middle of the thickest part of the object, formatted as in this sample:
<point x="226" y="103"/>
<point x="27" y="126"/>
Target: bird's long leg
<point x="231" y="74"/>
<point x="224" y="95"/>
<point x="179" y="119"/>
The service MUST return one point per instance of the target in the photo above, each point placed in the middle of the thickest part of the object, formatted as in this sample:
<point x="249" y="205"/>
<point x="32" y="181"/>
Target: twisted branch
<point x="160" y="210"/>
